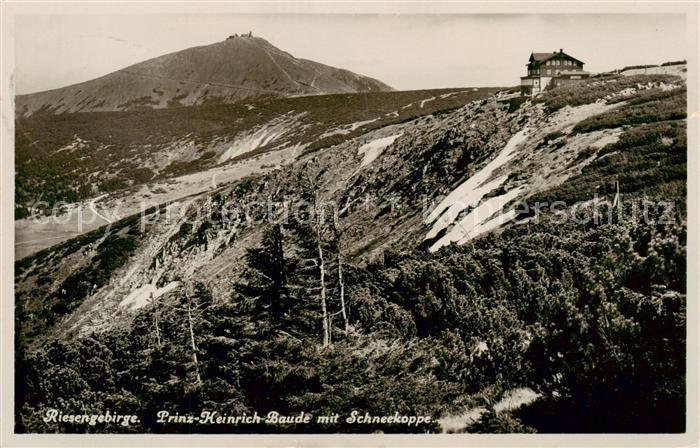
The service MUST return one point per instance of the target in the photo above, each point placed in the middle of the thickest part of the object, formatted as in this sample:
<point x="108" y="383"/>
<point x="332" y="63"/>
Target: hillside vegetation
<point x="72" y="157"/>
<point x="353" y="313"/>
<point x="224" y="72"/>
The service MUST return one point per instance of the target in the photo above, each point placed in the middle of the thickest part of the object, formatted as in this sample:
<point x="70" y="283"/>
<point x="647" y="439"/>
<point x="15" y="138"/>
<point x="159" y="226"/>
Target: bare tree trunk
<point x="341" y="285"/>
<point x="194" y="345"/>
<point x="341" y="282"/>
<point x="330" y="325"/>
<point x="322" y="273"/>
<point x="157" y="313"/>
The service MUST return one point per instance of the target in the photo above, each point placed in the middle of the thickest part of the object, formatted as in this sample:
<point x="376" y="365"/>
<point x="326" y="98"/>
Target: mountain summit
<point x="239" y="67"/>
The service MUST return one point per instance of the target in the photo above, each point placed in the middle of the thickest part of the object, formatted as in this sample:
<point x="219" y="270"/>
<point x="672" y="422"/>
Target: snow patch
<point x="359" y="124"/>
<point x="347" y="128"/>
<point x="336" y="131"/>
<point x="491" y="224"/>
<point x="677" y="70"/>
<point x="77" y="143"/>
<point x="249" y="143"/>
<point x="629" y="91"/>
<point x="144" y="295"/>
<point x="466" y="195"/>
<point x="422" y="103"/>
<point x="373" y="149"/>
<point x="470" y="192"/>
<point x="512" y="400"/>
<point x="607" y="140"/>
<point x="480" y="220"/>
<point x="259" y="138"/>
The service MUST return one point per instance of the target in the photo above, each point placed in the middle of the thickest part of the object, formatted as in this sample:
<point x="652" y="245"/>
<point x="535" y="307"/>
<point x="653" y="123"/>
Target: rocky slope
<point x="425" y="183"/>
<point x="492" y="266"/>
<point x="74" y="164"/>
<point x="225" y="72"/>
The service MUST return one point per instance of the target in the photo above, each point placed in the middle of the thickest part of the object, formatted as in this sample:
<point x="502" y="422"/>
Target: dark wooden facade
<point x="551" y="70"/>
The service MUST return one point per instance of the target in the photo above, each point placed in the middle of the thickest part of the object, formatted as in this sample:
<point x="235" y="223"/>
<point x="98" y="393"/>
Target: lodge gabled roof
<point x="542" y="57"/>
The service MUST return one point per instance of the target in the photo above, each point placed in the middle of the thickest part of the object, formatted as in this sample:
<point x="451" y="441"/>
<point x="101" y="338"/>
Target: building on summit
<point x="233" y="36"/>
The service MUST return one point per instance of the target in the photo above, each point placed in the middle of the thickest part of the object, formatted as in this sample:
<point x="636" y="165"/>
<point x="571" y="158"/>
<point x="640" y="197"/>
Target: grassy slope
<point x="592" y="316"/>
<point x="227" y="71"/>
<point x="117" y="145"/>
<point x="641" y="162"/>
<point x="650" y="159"/>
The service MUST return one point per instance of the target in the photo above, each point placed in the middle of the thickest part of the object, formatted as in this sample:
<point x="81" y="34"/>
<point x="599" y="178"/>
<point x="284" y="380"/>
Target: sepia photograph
<point x="282" y="222"/>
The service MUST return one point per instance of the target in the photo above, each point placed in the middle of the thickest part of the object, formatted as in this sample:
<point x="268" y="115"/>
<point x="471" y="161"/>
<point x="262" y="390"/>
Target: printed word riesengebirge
<point x="55" y="416"/>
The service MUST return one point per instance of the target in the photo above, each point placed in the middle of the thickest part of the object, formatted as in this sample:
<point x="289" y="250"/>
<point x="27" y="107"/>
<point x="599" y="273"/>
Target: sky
<point x="405" y="51"/>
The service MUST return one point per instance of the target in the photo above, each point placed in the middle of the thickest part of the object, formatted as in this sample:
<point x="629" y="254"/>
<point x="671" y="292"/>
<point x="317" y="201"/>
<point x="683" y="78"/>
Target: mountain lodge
<point x="548" y="70"/>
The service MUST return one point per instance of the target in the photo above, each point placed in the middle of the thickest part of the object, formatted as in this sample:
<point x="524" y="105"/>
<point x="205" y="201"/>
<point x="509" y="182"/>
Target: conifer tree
<point x="267" y="277"/>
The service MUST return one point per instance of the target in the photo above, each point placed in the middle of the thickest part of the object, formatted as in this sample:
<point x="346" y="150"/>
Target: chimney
<point x="561" y="50"/>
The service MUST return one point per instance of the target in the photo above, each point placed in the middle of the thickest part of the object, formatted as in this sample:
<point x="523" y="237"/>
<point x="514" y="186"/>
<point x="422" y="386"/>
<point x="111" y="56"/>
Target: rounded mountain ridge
<point x="228" y="71"/>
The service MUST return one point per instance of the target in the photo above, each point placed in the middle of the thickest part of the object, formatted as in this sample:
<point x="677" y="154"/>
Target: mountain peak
<point x="239" y="67"/>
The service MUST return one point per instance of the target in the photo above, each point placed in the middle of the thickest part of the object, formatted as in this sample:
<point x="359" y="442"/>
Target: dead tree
<point x="341" y="286"/>
<point x="156" y="312"/>
<point x="311" y="187"/>
<point x="192" y="340"/>
<point x="341" y="282"/>
<point x="616" y="201"/>
<point x="322" y="274"/>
